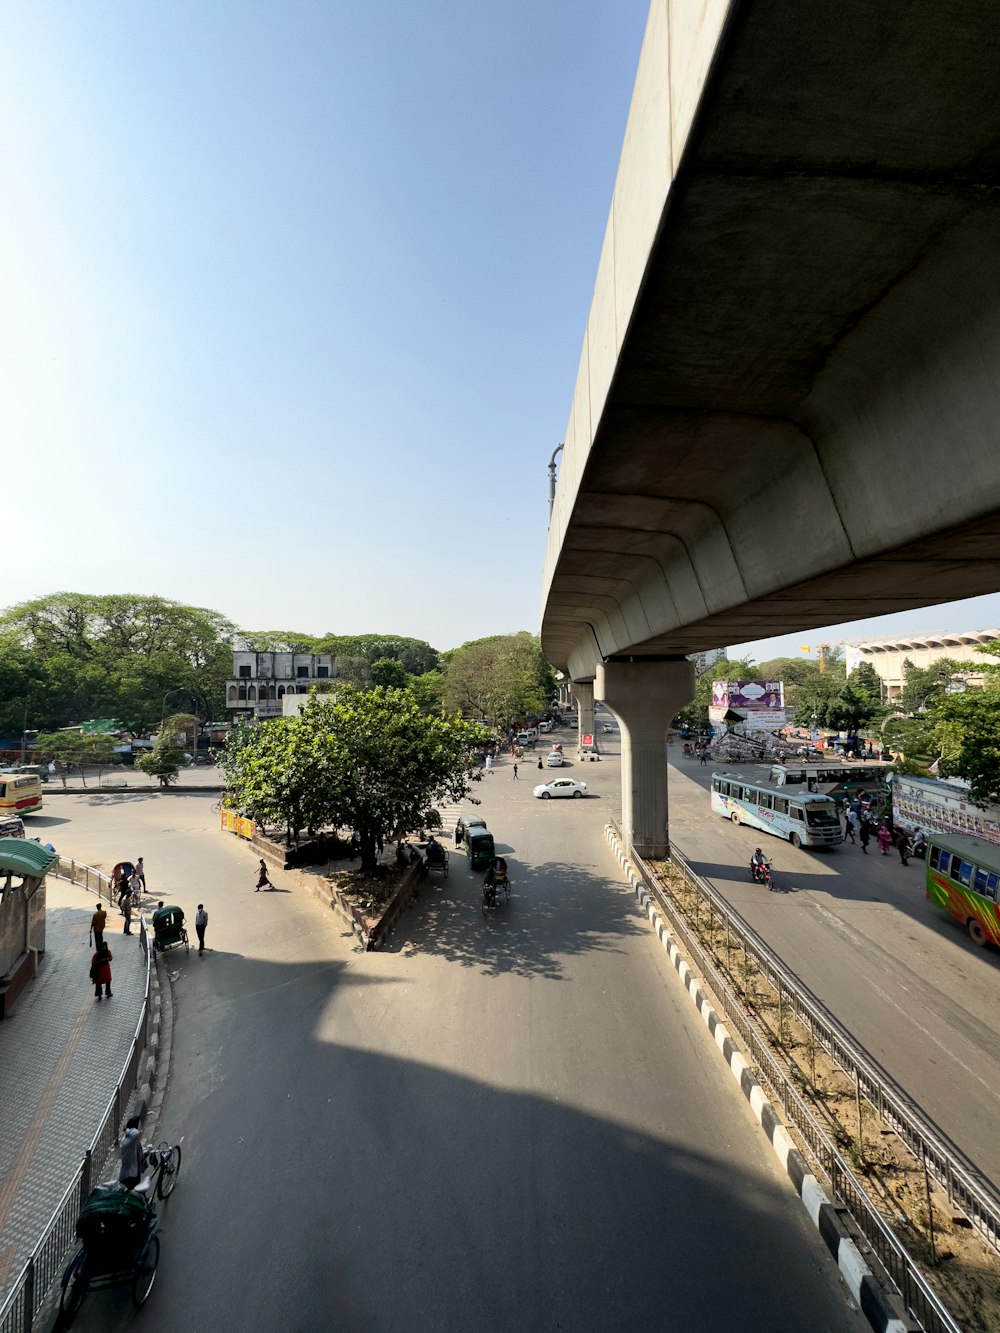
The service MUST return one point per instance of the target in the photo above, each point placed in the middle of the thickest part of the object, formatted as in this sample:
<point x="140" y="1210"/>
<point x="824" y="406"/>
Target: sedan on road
<point x="560" y="787"/>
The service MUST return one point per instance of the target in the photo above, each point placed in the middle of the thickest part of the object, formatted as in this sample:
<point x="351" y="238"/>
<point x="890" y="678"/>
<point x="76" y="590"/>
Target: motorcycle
<point x="760" y="873"/>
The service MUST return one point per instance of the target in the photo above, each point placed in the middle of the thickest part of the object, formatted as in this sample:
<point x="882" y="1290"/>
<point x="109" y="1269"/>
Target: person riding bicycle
<point x="757" y="864"/>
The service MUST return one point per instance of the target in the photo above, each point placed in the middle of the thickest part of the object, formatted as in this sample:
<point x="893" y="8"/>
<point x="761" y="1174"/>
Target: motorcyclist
<point x="757" y="863"/>
<point x="918" y="843"/>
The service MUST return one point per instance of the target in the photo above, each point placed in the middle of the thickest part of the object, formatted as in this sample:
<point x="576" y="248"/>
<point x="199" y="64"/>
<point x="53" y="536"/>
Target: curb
<point x="872" y="1299"/>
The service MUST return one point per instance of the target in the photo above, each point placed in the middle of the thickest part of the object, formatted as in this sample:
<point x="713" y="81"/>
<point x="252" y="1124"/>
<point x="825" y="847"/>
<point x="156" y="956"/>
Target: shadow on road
<point x="555" y="911"/>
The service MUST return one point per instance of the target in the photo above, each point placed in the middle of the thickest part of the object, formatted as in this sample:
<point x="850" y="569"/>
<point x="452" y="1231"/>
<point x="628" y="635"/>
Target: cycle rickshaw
<point x="169" y="929"/>
<point x="119" y="1242"/>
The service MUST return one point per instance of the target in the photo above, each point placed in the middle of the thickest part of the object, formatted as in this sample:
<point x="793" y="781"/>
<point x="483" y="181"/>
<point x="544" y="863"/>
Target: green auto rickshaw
<point x="479" y="847"/>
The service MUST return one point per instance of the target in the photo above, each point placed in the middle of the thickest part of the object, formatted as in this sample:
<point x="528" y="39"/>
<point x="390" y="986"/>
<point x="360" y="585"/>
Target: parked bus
<point x="945" y="806"/>
<point x="843" y="781"/>
<point x="802" y="818"/>
<point x="963" y="877"/>
<point x="20" y="794"/>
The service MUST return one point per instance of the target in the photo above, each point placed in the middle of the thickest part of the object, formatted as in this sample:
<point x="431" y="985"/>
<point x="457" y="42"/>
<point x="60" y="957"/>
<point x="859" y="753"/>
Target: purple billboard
<point x="752" y="694"/>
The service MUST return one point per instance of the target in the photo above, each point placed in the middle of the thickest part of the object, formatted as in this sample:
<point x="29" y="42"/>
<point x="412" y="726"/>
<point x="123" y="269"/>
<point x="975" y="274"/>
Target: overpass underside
<point x="788" y="407"/>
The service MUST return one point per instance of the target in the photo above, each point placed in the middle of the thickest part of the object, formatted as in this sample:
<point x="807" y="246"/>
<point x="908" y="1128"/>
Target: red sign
<point x="586" y="740"/>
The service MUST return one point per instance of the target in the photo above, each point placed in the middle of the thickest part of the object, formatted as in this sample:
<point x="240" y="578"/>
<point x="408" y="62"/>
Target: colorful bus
<point x="963" y="877"/>
<point x="843" y="781"/>
<point x="20" y="794"/>
<point x="801" y="817"/>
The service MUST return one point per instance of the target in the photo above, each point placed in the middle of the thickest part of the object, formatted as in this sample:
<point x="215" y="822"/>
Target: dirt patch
<point x="962" y="1269"/>
<point x="369" y="891"/>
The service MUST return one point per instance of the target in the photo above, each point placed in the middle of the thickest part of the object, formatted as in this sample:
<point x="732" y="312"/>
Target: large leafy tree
<point x="499" y="678"/>
<point x="414" y="655"/>
<point x="369" y="761"/>
<point x="114" y="656"/>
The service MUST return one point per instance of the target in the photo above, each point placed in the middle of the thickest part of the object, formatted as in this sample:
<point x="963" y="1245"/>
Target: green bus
<point x="963" y="879"/>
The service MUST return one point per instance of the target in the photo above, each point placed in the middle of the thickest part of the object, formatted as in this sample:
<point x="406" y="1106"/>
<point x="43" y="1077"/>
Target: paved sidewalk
<point x="61" y="1055"/>
<point x="202" y="777"/>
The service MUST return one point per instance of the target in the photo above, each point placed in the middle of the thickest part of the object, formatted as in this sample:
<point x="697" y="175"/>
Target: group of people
<point x="861" y="828"/>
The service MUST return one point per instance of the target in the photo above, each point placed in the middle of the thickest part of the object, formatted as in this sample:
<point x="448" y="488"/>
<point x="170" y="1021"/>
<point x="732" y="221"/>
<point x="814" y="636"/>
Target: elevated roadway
<point x="787" y="408"/>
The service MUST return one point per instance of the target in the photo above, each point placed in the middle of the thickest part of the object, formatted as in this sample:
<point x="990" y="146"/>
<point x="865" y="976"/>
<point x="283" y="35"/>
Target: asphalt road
<point x="517" y="1123"/>
<point x="901" y="976"/>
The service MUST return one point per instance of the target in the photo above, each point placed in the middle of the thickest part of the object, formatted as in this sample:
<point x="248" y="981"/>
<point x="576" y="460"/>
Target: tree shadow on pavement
<point x="556" y="910"/>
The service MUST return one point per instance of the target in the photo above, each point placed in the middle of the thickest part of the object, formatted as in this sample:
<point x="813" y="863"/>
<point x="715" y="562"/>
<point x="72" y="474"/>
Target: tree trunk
<point x="369" y="853"/>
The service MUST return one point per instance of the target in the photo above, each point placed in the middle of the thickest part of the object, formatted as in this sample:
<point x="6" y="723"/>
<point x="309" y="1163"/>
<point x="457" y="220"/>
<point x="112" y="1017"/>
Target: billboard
<point x="757" y="705"/>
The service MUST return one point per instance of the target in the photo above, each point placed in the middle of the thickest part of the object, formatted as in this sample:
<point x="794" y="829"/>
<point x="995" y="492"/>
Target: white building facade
<point x="888" y="655"/>
<point x="260" y="681"/>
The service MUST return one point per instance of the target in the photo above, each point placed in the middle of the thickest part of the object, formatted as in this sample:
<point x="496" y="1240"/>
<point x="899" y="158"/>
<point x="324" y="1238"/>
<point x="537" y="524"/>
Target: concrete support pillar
<point x="645" y="695"/>
<point x="583" y="692"/>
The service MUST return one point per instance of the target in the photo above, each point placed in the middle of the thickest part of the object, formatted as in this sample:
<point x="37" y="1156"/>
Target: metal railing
<point x="45" y="1263"/>
<point x="918" y="1296"/>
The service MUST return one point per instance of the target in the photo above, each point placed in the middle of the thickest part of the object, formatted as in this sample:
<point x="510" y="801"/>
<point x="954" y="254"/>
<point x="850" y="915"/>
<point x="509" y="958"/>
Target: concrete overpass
<point x="787" y="412"/>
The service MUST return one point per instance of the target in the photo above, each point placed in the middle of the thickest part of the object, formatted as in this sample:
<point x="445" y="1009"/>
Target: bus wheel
<point x="976" y="932"/>
<point x="795" y="840"/>
<point x="735" y="816"/>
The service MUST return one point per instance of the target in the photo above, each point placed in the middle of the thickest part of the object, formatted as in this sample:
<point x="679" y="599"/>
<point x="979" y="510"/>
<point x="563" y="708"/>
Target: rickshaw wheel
<point x="74" y="1288"/>
<point x="170" y="1170"/>
<point x="145" y="1273"/>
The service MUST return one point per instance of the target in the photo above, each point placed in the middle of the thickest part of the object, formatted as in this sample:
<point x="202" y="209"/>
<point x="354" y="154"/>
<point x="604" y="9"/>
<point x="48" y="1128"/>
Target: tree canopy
<point x="369" y="761"/>
<point x="498" y="679"/>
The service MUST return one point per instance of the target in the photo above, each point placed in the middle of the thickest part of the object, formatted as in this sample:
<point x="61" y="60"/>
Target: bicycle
<point x="165" y="1162"/>
<point x="492" y="893"/>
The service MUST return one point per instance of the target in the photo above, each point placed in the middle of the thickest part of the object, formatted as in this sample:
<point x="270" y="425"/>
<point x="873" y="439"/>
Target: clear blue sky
<point x="293" y="297"/>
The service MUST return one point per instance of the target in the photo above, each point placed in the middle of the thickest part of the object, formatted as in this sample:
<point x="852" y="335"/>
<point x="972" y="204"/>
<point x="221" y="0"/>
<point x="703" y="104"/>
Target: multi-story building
<point x="261" y="680"/>
<point x="892" y="657"/>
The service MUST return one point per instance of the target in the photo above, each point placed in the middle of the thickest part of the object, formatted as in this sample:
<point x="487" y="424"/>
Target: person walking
<point x="139" y="876"/>
<point x="703" y="755"/>
<point x="903" y="845"/>
<point x="852" y="825"/>
<point x="489" y="763"/>
<point x="884" y="838"/>
<point x="200" y="922"/>
<point x="515" y="772"/>
<point x="262" y="880"/>
<point x="127" y="909"/>
<point x="865" y="834"/>
<point x="100" y="970"/>
<point x="97" y="923"/>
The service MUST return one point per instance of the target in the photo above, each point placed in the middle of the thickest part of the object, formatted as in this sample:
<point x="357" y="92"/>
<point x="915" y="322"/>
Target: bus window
<point x="986" y="884"/>
<point x="780" y="805"/>
<point x="796" y="812"/>
<point x="716" y="785"/>
<point x="822" y="814"/>
<point x="764" y="800"/>
<point x="945" y="862"/>
<point x="794" y="777"/>
<point x="961" y="871"/>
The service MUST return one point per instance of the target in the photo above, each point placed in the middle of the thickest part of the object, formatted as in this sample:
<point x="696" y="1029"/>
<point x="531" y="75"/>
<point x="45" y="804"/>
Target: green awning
<point x="20" y="856"/>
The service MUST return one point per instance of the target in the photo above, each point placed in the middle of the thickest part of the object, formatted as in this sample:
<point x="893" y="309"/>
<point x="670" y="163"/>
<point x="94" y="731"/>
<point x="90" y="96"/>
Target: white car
<point x="554" y="759"/>
<point x="560" y="787"/>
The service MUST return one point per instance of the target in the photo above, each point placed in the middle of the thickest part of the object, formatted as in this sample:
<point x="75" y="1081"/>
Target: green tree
<point x="496" y="679"/>
<point x="166" y="758"/>
<point x="414" y="655"/>
<point x="923" y="685"/>
<point x="865" y="679"/>
<point x="389" y="673"/>
<point x="969" y="734"/>
<point x="369" y="761"/>
<point x="115" y="656"/>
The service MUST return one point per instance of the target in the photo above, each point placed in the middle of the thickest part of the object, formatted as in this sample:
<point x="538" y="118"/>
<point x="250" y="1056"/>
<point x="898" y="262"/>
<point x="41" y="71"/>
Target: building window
<point x="323" y="672"/>
<point x="281" y="691"/>
<point x="252" y="694"/>
<point x="302" y="672"/>
<point x="245" y="672"/>
<point x="231" y="696"/>
<point x="243" y="694"/>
